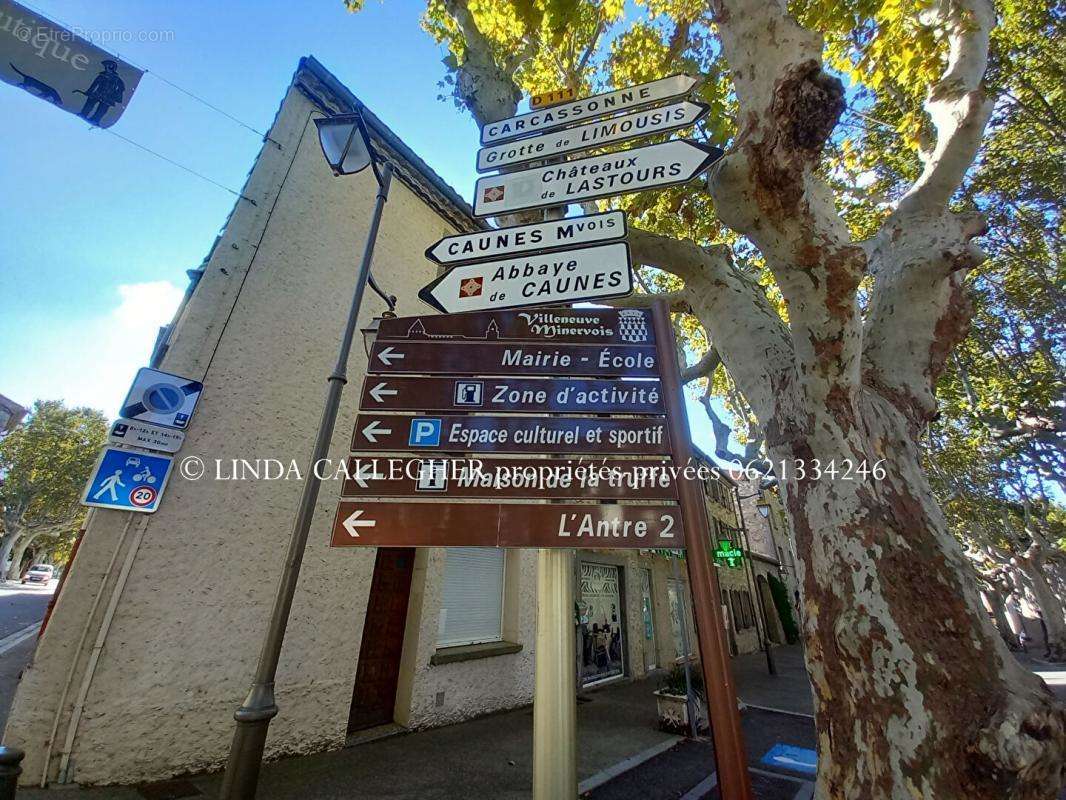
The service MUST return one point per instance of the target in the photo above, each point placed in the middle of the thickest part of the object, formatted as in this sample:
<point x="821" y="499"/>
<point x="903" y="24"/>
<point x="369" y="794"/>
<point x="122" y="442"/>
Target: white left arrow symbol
<point x="379" y="391"/>
<point x="388" y="355"/>
<point x="374" y="430"/>
<point x="354" y="522"/>
<point x="364" y="472"/>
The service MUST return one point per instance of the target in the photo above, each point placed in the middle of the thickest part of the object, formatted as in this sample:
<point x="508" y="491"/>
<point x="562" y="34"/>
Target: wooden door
<point x="374" y="696"/>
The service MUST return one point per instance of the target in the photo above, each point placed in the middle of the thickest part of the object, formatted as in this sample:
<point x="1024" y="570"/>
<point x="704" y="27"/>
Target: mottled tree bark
<point x="917" y="696"/>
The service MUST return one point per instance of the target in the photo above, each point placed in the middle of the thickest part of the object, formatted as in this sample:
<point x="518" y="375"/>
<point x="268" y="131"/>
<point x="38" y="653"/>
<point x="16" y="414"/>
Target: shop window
<point x="749" y="610"/>
<point x="600" y="623"/>
<point x="472" y="598"/>
<point x="677" y="594"/>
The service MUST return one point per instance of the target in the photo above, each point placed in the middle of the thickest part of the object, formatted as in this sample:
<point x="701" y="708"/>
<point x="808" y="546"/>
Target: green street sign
<point x="726" y="553"/>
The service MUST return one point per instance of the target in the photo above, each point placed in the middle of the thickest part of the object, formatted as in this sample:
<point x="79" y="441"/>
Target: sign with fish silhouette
<point x="62" y="68"/>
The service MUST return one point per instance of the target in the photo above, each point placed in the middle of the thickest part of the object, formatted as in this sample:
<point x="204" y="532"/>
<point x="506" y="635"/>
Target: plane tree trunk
<point x="917" y="696"/>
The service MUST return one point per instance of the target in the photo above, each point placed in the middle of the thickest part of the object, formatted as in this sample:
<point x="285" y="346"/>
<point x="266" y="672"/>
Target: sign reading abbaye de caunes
<point x="62" y="68"/>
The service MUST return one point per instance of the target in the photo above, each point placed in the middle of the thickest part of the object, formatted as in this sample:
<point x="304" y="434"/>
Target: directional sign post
<point x="592" y="134"/>
<point x="654" y="166"/>
<point x="565" y="276"/>
<point x="537" y="238"/>
<point x="587" y="108"/>
<point x="512" y="395"/>
<point x="368" y="524"/>
<point x="517" y="358"/>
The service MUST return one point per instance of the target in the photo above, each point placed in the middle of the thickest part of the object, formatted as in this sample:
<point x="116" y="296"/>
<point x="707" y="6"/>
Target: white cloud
<point x="91" y="363"/>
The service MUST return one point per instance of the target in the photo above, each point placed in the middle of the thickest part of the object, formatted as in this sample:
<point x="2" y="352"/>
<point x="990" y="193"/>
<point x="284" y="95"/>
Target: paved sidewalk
<point x="487" y="757"/>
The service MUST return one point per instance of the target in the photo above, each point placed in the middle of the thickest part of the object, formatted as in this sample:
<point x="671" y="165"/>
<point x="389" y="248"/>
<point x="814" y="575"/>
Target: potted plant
<point x="670" y="699"/>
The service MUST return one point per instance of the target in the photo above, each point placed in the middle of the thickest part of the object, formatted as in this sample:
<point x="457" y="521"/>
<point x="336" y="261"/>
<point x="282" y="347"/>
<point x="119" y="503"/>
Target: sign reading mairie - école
<point x="653" y="166"/>
<point x="494" y="358"/>
<point x="535" y="238"/>
<point x="61" y="68"/>
<point x="588" y="108"/>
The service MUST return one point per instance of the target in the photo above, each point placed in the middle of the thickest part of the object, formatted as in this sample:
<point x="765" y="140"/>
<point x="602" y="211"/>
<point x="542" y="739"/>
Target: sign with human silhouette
<point x="62" y="68"/>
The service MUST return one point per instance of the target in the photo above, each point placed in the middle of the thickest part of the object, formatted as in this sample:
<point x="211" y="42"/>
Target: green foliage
<point x="673" y="682"/>
<point x="779" y="592"/>
<point x="44" y="464"/>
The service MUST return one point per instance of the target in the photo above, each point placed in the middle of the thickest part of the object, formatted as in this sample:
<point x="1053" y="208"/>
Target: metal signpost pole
<point x="253" y="717"/>
<point x="729" y="750"/>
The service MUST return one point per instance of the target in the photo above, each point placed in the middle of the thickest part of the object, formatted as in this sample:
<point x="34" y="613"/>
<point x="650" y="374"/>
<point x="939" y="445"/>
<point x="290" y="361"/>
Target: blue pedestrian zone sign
<point x="127" y="480"/>
<point x="796" y="759"/>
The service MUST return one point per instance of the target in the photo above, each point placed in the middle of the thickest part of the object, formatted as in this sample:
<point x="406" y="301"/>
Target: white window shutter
<point x="472" y="599"/>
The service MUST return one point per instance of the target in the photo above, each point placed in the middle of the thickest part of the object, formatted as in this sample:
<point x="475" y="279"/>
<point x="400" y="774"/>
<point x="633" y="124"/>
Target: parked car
<point x="39" y="573"/>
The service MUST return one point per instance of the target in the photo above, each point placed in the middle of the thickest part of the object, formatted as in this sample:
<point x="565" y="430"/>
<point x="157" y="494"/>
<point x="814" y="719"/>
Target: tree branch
<point x="958" y="104"/>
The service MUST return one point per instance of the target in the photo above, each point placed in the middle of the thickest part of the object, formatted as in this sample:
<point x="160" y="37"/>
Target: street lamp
<point x="346" y="146"/>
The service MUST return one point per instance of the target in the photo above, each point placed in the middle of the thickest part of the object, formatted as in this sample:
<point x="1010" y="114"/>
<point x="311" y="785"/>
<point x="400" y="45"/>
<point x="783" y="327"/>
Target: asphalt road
<point x="21" y="611"/>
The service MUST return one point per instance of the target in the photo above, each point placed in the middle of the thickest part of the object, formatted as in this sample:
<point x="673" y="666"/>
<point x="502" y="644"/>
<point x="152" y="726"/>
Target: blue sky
<point x="96" y="235"/>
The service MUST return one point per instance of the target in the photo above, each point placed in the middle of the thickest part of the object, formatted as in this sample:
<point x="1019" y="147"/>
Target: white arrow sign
<point x="653" y="166"/>
<point x="354" y="522"/>
<point x="588" y="108"/>
<point x="567" y="276"/>
<point x="374" y="430"/>
<point x="388" y="355"/>
<point x="363" y="472"/>
<point x="534" y="238"/>
<point x="594" y="134"/>
<point x="379" y="392"/>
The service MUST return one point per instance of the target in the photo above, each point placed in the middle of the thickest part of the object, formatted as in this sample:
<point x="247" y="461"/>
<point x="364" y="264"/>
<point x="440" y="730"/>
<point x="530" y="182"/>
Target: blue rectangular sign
<point x="127" y="480"/>
<point x="790" y="757"/>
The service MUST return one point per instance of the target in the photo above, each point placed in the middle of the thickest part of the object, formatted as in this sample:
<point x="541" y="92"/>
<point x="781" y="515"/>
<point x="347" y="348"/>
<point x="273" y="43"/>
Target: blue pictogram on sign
<point x="127" y="480"/>
<point x="425" y="432"/>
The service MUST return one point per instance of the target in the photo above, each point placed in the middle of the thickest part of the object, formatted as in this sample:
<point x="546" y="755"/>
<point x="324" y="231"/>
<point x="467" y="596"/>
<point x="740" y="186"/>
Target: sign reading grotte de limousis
<point x="62" y="68"/>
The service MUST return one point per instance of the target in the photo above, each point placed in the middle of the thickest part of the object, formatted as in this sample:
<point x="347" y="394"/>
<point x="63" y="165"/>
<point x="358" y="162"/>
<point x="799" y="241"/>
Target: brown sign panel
<point x="369" y="524"/>
<point x="619" y="361"/>
<point x="561" y="325"/>
<point x="485" y="434"/>
<point x="532" y="395"/>
<point x="446" y="478"/>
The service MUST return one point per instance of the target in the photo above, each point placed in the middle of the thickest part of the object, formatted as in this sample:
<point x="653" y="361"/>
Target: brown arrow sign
<point x="446" y="478"/>
<point x="369" y="524"/>
<point x="532" y="395"/>
<point x="570" y="360"/>
<point x="485" y="434"/>
<point x="550" y="325"/>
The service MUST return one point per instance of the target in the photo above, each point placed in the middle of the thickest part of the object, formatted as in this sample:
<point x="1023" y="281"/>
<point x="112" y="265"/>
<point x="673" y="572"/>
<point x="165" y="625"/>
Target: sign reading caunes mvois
<point x="563" y="325"/>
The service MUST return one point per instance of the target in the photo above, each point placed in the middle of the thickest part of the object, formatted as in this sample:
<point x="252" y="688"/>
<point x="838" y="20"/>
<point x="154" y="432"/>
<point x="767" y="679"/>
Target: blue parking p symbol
<point x="425" y="432"/>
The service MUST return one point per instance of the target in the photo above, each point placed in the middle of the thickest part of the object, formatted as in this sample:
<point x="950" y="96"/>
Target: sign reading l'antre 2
<point x="367" y="524"/>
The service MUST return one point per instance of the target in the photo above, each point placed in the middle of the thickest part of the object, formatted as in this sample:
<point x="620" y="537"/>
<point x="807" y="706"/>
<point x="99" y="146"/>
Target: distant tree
<point x="43" y="468"/>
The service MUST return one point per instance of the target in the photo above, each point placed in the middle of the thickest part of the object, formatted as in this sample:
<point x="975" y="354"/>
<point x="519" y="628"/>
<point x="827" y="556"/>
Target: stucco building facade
<point x="154" y="638"/>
